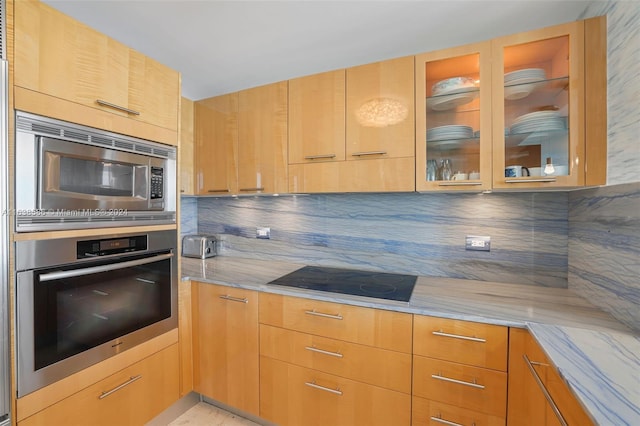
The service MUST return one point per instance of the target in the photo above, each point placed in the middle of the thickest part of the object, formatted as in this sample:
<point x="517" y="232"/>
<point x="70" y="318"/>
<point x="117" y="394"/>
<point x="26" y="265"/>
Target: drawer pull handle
<point x="117" y="388"/>
<point x="323" y="315"/>
<point x="315" y="157"/>
<point x="234" y="299"/>
<point x="439" y="419"/>
<point x="362" y="154"/>
<point x="460" y="183"/>
<point x="322" y="351"/>
<point x="252" y="189"/>
<point x="218" y="190"/>
<point x="118" y="107"/>
<point x="473" y="384"/>
<point x="316" y="386"/>
<point x="457" y="336"/>
<point x="543" y="388"/>
<point x="543" y="180"/>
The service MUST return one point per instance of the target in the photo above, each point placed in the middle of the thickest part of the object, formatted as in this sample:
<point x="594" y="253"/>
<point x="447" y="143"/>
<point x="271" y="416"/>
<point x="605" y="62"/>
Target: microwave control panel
<point x="157" y="183"/>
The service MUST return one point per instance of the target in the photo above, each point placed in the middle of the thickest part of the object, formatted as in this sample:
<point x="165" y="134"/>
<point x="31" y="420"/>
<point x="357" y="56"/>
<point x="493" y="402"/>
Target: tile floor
<point x="203" y="414"/>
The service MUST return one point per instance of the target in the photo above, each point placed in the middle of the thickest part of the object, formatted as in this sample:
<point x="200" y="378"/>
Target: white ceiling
<point x="224" y="46"/>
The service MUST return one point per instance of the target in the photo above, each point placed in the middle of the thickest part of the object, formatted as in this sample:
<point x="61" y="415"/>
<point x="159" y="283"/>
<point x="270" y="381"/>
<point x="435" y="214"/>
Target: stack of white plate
<point x="449" y="132"/>
<point x="452" y="92"/>
<point x="519" y="84"/>
<point x="540" y="121"/>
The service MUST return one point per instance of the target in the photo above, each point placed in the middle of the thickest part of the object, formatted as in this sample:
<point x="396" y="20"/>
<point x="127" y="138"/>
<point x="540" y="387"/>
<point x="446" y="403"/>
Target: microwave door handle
<point x="103" y="268"/>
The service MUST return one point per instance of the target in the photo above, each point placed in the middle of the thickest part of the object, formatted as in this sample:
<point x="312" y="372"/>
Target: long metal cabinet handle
<point x="315" y="157"/>
<point x="114" y="106"/>
<point x="460" y="382"/>
<point x="322" y="351"/>
<point x="455" y="183"/>
<point x="362" y="154"/>
<point x="544" y="390"/>
<point x="234" y="299"/>
<point x="543" y="180"/>
<point x="322" y="314"/>
<point x="252" y="189"/>
<point x="117" y="388"/>
<point x="315" y="386"/>
<point x="218" y="190"/>
<point x="458" y="336"/>
<point x="447" y="422"/>
<point x="103" y="268"/>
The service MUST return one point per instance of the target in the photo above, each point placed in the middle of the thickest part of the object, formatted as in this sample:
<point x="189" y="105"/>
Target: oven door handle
<point x="102" y="268"/>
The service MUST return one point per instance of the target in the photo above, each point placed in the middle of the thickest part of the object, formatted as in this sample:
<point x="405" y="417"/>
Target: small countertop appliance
<point x="200" y="246"/>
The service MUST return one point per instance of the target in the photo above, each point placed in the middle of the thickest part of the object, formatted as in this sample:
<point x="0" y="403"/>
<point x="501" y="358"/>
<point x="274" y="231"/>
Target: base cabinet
<point x="531" y="375"/>
<point x="293" y="395"/>
<point x="225" y="345"/>
<point x="434" y="413"/>
<point x="325" y="363"/>
<point x="459" y="372"/>
<point x="132" y="396"/>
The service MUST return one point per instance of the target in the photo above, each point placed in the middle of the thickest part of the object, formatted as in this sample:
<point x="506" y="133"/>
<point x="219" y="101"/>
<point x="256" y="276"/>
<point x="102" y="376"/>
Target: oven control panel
<point x="107" y="246"/>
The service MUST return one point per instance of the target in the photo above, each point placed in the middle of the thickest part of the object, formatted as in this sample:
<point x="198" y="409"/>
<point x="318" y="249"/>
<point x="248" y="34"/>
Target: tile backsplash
<point x="413" y="233"/>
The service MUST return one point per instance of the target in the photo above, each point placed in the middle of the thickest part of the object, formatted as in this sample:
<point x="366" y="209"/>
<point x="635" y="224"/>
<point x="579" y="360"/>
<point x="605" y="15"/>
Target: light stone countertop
<point x="597" y="356"/>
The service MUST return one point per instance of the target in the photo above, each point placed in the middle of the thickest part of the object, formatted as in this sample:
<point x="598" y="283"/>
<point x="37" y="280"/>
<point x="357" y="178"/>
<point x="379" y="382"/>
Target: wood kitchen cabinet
<point x="514" y="101"/>
<point x="459" y="372"/>
<point x="185" y="336"/>
<point x="531" y="376"/>
<point x="132" y="396"/>
<point x="187" y="145"/>
<point x="378" y="151"/>
<point x="225" y="345"/>
<point x="453" y="110"/>
<point x="549" y="106"/>
<point x="68" y="61"/>
<point x="216" y="145"/>
<point x="317" y="118"/>
<point x="262" y="139"/>
<point x="241" y="142"/>
<point x="329" y="363"/>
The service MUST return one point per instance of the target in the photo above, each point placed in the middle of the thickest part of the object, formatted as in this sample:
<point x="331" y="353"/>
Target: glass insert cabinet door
<point x="538" y="110"/>
<point x="453" y="126"/>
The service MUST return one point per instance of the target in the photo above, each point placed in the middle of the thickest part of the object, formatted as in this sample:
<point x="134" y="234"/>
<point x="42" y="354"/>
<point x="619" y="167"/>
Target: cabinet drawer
<point x="292" y="395"/>
<point x="434" y="413"/>
<point x="380" y="367"/>
<point x="373" y="327"/>
<point x="466" y="342"/>
<point x="475" y="388"/>
<point x="132" y="396"/>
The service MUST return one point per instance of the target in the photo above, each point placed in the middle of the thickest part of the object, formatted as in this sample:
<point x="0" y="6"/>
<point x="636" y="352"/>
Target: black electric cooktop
<point x="381" y="285"/>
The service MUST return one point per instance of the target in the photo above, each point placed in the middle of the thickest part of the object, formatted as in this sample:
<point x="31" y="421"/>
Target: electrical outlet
<point x="263" y="233"/>
<point x="477" y="243"/>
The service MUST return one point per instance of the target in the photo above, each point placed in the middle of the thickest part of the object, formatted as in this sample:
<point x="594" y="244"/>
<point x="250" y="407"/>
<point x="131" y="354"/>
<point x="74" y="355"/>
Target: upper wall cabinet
<point x="453" y="128"/>
<point x="187" y="185"/>
<point x="380" y="110"/>
<point x="549" y="107"/>
<point x="58" y="56"/>
<point x="216" y="150"/>
<point x="317" y="118"/>
<point x="370" y="110"/>
<point x="262" y="139"/>
<point x="241" y="142"/>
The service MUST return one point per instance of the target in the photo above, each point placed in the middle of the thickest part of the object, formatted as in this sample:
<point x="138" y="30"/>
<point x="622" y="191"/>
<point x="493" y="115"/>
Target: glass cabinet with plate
<point x="453" y="125"/>
<point x="540" y="112"/>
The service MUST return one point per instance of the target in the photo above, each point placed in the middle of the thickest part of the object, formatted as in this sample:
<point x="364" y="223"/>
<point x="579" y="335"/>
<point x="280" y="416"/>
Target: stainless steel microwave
<point x="70" y="176"/>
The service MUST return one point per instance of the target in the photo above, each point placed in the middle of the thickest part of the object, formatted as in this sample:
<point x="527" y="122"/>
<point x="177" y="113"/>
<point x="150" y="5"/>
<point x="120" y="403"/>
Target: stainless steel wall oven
<point x="71" y="176"/>
<point x="82" y="300"/>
